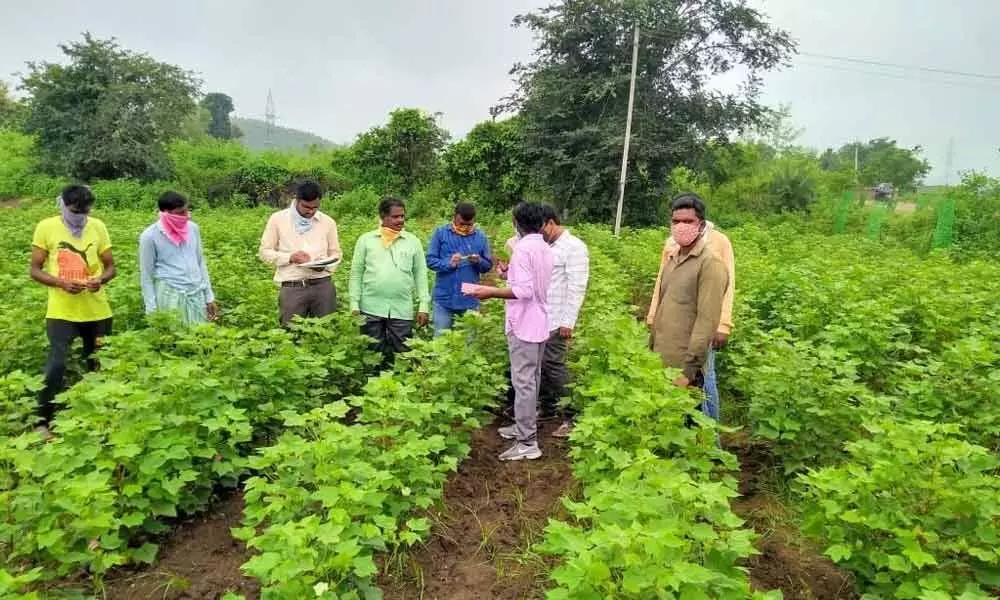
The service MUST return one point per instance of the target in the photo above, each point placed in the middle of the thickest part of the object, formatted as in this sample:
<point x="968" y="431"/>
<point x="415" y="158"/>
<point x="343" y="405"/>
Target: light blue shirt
<point x="180" y="267"/>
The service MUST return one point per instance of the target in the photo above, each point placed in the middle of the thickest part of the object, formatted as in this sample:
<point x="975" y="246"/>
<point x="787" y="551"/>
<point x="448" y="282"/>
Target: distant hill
<point x="284" y="138"/>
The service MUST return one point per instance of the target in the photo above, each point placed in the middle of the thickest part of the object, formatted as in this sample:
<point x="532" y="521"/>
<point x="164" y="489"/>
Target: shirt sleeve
<point x="420" y="279"/>
<point x="333" y="245"/>
<point x="269" y="252"/>
<point x="519" y="276"/>
<point x="209" y="292"/>
<point x="357" y="273"/>
<point x="39" y="239"/>
<point x="435" y="262"/>
<point x="654" y="302"/>
<point x="485" y="255"/>
<point x="577" y="273"/>
<point x="147" y="264"/>
<point x="727" y="256"/>
<point x="104" y="240"/>
<point x="712" y="284"/>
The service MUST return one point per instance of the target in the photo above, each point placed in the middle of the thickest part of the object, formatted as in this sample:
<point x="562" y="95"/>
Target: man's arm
<point x="436" y="262"/>
<point x="357" y="274"/>
<point x="578" y="274"/>
<point x="711" y="289"/>
<point x="147" y="264"/>
<point x="203" y="265"/>
<point x="485" y="264"/>
<point x="654" y="302"/>
<point x="727" y="256"/>
<point x="269" y="252"/>
<point x="333" y="245"/>
<point x="420" y="280"/>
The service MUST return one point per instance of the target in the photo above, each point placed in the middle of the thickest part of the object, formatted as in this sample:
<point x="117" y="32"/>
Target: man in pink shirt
<point x="527" y="326"/>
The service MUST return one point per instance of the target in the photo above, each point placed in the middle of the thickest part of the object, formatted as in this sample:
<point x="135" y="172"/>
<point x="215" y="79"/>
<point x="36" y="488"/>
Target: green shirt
<point x="383" y="280"/>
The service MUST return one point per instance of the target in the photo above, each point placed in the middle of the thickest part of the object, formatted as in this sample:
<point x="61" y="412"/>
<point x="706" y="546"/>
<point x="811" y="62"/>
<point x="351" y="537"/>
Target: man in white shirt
<point x="570" y="271"/>
<point x="297" y="236"/>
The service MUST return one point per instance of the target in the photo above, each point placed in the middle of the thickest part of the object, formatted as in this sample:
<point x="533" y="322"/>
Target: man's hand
<point x="212" y="311"/>
<point x="456" y="259"/>
<point x="422" y="319"/>
<point x="71" y="287"/>
<point x="482" y="292"/>
<point x="474" y="259"/>
<point x="566" y="333"/>
<point x="682" y="382"/>
<point x="720" y="340"/>
<point x="355" y="313"/>
<point x="94" y="284"/>
<point x="299" y="258"/>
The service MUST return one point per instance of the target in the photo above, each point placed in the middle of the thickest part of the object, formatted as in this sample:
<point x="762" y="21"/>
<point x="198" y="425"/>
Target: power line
<point x="879" y="63"/>
<point x="845" y="69"/>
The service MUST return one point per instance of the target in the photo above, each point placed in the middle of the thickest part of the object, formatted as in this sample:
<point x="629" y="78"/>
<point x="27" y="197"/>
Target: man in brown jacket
<point x="689" y="297"/>
<point x="716" y="242"/>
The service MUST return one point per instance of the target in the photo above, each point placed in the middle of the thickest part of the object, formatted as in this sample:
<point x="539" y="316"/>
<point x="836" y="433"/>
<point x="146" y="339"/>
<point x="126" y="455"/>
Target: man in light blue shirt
<point x="172" y="266"/>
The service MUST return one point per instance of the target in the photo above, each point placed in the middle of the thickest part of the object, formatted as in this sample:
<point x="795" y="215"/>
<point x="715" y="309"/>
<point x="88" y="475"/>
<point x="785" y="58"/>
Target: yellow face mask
<point x="389" y="236"/>
<point x="463" y="230"/>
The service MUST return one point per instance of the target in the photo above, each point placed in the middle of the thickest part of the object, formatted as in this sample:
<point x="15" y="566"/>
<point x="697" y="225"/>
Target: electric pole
<point x="628" y="131"/>
<point x="270" y="119"/>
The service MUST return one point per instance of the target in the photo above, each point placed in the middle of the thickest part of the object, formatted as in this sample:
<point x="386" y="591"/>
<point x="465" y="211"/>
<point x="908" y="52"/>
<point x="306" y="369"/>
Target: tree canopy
<point x="109" y="112"/>
<point x="220" y="106"/>
<point x="573" y="95"/>
<point x="403" y="153"/>
<point x="880" y="160"/>
<point x="489" y="163"/>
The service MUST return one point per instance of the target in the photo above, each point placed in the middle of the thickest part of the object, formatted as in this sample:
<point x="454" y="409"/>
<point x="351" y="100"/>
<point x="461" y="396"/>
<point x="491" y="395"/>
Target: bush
<point x="914" y="514"/>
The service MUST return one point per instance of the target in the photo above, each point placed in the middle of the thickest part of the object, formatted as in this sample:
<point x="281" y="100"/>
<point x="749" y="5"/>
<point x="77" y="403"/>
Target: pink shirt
<point x="528" y="277"/>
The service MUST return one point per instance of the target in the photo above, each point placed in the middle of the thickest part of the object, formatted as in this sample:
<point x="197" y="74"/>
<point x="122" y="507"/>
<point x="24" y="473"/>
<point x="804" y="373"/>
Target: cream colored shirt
<point x="280" y="241"/>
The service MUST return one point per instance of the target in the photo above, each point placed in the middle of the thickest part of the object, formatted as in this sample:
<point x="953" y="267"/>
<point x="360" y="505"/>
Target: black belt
<point x="305" y="282"/>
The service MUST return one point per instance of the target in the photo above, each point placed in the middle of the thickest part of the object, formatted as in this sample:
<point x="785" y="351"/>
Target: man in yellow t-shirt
<point x="71" y="255"/>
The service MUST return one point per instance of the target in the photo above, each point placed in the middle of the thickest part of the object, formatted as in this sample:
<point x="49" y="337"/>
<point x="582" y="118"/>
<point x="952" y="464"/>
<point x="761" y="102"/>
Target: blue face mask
<point x="75" y="222"/>
<point x="302" y="224"/>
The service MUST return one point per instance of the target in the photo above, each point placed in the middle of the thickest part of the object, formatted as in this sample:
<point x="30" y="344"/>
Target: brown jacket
<point x="720" y="244"/>
<point x="691" y="292"/>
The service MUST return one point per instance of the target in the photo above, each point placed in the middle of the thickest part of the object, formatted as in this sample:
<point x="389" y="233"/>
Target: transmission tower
<point x="270" y="118"/>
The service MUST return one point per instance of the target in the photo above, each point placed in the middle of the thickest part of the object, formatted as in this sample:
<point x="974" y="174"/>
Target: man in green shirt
<point x="388" y="268"/>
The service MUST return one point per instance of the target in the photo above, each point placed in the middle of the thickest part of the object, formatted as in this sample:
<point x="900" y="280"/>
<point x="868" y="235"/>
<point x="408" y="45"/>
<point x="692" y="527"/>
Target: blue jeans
<point x="444" y="318"/>
<point x="710" y="406"/>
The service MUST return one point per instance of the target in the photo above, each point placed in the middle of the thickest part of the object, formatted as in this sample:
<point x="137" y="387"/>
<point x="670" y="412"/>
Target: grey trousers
<point x="317" y="300"/>
<point x="526" y="376"/>
<point x="555" y="375"/>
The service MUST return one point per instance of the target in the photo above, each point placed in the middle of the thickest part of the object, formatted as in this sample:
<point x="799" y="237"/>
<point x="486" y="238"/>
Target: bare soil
<point x="786" y="562"/>
<point x="492" y="513"/>
<point x="200" y="560"/>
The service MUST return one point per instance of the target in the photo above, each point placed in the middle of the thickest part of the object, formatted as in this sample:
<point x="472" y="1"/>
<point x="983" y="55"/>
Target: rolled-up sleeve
<point x="519" y="277"/>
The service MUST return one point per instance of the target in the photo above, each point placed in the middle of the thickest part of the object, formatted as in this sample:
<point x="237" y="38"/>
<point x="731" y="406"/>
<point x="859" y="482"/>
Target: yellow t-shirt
<point x="74" y="259"/>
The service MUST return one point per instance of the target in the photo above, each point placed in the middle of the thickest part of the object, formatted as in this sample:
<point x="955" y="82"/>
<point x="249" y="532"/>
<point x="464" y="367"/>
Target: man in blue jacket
<point x="458" y="253"/>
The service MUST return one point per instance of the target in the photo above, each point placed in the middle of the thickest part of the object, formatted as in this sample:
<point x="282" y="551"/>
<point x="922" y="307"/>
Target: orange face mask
<point x="463" y="230"/>
<point x="389" y="236"/>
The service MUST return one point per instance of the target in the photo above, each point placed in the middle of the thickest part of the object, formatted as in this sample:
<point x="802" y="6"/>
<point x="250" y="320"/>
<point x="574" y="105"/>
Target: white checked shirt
<point x="568" y="285"/>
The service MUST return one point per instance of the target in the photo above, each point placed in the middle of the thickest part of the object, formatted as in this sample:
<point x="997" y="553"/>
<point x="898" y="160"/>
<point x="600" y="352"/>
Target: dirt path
<point x="786" y="562"/>
<point x="200" y="560"/>
<point x="492" y="513"/>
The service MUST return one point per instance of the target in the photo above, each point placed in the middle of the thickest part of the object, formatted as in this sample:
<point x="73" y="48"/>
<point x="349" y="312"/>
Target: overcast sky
<point x="336" y="67"/>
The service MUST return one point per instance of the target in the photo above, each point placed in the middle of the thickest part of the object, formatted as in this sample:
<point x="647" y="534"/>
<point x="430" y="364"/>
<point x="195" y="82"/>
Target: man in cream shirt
<point x="297" y="236"/>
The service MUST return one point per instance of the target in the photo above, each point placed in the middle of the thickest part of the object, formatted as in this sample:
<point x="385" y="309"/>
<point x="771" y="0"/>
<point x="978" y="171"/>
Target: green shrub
<point x="915" y="513"/>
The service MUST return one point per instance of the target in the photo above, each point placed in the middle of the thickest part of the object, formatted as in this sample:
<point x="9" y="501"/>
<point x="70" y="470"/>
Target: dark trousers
<point x="309" y="298"/>
<point x="61" y="335"/>
<point x="389" y="336"/>
<point x="555" y="376"/>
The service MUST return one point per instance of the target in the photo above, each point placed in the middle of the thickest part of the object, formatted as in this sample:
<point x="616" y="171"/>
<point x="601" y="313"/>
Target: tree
<point x="880" y="160"/>
<point x="402" y="154"/>
<point x="490" y="161"/>
<point x="12" y="112"/>
<point x="109" y="112"/>
<point x="220" y="106"/>
<point x="573" y="96"/>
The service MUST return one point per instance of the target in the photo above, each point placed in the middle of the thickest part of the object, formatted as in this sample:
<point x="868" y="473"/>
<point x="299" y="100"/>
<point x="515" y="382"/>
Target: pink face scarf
<point x="685" y="234"/>
<point x="175" y="227"/>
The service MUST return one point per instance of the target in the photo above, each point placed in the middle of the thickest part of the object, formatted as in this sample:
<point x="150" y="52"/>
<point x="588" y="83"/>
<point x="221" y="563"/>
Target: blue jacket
<point x="448" y="287"/>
